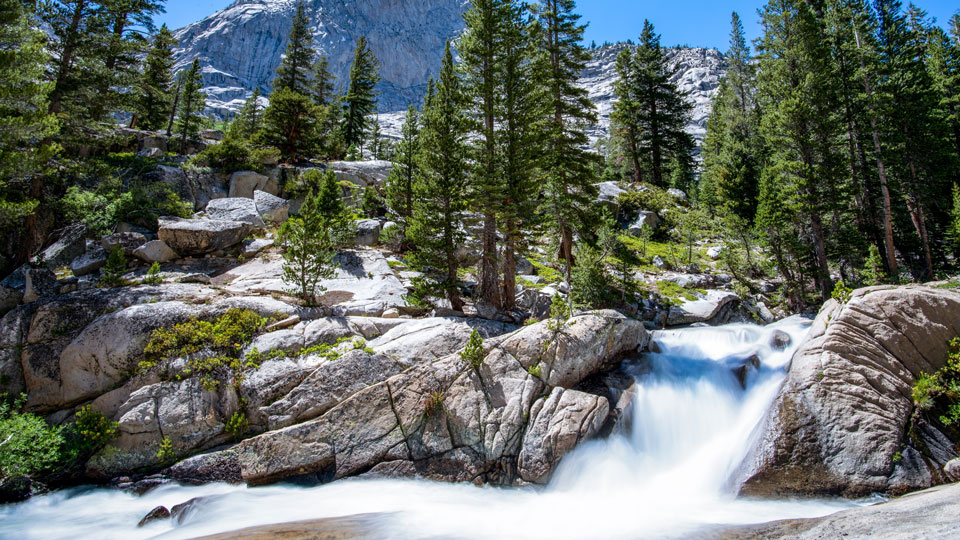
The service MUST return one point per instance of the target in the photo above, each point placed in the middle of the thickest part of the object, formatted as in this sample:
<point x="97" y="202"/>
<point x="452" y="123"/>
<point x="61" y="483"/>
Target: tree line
<point x="837" y="142"/>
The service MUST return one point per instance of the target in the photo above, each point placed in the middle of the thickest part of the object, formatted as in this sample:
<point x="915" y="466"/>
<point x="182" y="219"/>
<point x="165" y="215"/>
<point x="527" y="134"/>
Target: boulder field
<point x="841" y="424"/>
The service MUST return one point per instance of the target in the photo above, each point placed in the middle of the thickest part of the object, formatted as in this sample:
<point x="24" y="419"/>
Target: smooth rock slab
<point x="201" y="236"/>
<point x="235" y="209"/>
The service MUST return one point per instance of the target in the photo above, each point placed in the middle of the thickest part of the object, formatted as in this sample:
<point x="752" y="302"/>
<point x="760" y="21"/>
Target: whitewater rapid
<point x="665" y="473"/>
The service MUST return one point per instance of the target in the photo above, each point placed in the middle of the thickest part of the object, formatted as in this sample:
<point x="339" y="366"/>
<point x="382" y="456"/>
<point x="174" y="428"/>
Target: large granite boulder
<point x="362" y="173"/>
<point x="89" y="263"/>
<point x="449" y="421"/>
<point x="235" y="209"/>
<point x="608" y="194"/>
<point x="558" y="423"/>
<point x="646" y="220"/>
<point x="201" y="236"/>
<point x="71" y="244"/>
<point x="705" y="308"/>
<point x="244" y="183"/>
<point x="424" y="340"/>
<point x="272" y="209"/>
<point x="155" y="251"/>
<point x="367" y="232"/>
<point x="842" y="422"/>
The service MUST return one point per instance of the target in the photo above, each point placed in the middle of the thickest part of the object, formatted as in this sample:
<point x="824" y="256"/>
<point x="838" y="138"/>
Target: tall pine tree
<point x="153" y="89"/>
<point x="294" y="73"/>
<point x="361" y="98"/>
<point x="192" y="103"/>
<point x="398" y="188"/>
<point x="440" y="190"/>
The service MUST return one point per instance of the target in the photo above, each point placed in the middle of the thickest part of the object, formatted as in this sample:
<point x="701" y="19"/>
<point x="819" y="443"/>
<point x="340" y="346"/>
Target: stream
<point x="665" y="473"/>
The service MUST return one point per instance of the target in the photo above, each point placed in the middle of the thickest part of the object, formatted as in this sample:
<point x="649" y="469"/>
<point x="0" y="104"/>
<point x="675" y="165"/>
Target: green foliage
<point x="398" y="187"/>
<point x="153" y="86"/>
<point x="237" y="426"/>
<point x="361" y="98"/>
<point x="473" y="353"/>
<point x="295" y="68"/>
<point x="213" y="349"/>
<point x="841" y="293"/>
<point x="165" y="452"/>
<point x="230" y="155"/>
<point x="102" y="209"/>
<point x="192" y="103"/>
<point x="434" y="404"/>
<point x="112" y="273"/>
<point x="535" y="370"/>
<point x="953" y="229"/>
<point x="939" y="394"/>
<point x="589" y="281"/>
<point x="153" y="275"/>
<point x="291" y="124"/>
<point x="873" y="272"/>
<point x="94" y="429"/>
<point x="30" y="445"/>
<point x="371" y="203"/>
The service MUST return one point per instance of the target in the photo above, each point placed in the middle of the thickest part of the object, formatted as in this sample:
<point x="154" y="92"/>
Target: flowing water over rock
<point x="664" y="472"/>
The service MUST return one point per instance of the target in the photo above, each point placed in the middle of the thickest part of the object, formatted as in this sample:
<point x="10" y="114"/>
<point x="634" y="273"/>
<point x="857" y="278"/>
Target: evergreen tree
<point x="376" y="140"/>
<point x="250" y="120"/>
<point x="481" y="61"/>
<point x="308" y="248"/>
<point x="651" y="111"/>
<point x="192" y="103"/>
<point x="128" y="24"/>
<point x="398" y="188"/>
<point x="154" y="86"/>
<point x="361" y="98"/>
<point x="25" y="125"/>
<point x="519" y="144"/>
<point x="796" y="81"/>
<point x="733" y="149"/>
<point x="440" y="189"/>
<point x="567" y="167"/>
<point x="294" y="73"/>
<point x="323" y="82"/>
<point x="290" y="124"/>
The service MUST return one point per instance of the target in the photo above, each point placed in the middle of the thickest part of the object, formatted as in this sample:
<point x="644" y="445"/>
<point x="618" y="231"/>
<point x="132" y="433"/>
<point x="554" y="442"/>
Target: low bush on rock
<point x="938" y="395"/>
<point x="473" y="353"/>
<point x="27" y="443"/>
<point x="212" y="349"/>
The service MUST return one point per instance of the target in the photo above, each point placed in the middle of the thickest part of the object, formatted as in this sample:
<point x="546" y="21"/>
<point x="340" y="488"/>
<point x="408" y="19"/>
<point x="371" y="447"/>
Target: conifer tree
<point x="294" y="73"/>
<point x="398" y="188"/>
<point x="376" y="140"/>
<point x="440" y="189"/>
<point x="519" y="144"/>
<point x="128" y="24"/>
<point x="323" y="82"/>
<point x="308" y="249"/>
<point x="567" y="167"/>
<point x="290" y="124"/>
<point x="250" y="120"/>
<point x="481" y="61"/>
<point x="361" y="98"/>
<point x="651" y="110"/>
<point x="192" y="103"/>
<point x="796" y="81"/>
<point x="733" y="148"/>
<point x="25" y="125"/>
<point x="154" y="86"/>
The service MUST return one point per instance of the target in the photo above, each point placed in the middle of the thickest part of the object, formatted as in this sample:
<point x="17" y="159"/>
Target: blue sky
<point x="680" y="22"/>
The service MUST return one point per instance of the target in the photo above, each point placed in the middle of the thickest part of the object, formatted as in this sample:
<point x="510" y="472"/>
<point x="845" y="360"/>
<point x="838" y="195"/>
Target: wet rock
<point x="742" y="371"/>
<point x="842" y="413"/>
<point x="160" y="512"/>
<point x="559" y="422"/>
<point x="704" y="309"/>
<point x="18" y="488"/>
<point x="780" y="340"/>
<point x="201" y="236"/>
<point x="219" y="466"/>
<point x="952" y="470"/>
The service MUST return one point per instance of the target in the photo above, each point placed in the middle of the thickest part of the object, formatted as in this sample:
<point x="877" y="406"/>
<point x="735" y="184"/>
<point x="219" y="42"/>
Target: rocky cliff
<point x="241" y="47"/>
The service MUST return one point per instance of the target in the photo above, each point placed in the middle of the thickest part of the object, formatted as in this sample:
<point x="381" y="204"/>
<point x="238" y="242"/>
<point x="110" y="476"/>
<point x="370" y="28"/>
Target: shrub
<point x="939" y="393"/>
<point x="153" y="275"/>
<point x="842" y="293"/>
<point x="165" y="452"/>
<point x="473" y="353"/>
<point x="94" y="429"/>
<point x="237" y="426"/>
<point x="27" y="443"/>
<point x="434" y="404"/>
<point x="589" y="279"/>
<point x="112" y="273"/>
<point x="231" y="155"/>
<point x="536" y="370"/>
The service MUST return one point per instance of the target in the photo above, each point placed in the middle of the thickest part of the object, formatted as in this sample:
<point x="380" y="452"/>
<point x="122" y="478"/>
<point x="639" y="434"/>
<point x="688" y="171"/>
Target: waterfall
<point x="665" y="472"/>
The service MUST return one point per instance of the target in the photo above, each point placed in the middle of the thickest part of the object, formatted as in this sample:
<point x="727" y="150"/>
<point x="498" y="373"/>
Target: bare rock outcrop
<point x="840" y="424"/>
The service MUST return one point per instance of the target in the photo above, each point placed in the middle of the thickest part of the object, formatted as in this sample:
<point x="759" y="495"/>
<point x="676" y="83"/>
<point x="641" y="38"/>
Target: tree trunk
<point x="489" y="278"/>
<point x="510" y="268"/>
<point x="917" y="215"/>
<point x="176" y="103"/>
<point x="66" y="57"/>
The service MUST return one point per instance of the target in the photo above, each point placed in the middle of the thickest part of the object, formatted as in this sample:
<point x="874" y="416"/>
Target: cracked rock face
<point x="842" y="415"/>
<point x="447" y="421"/>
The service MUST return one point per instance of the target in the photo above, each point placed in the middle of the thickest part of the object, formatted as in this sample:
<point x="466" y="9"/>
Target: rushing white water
<point x="665" y="475"/>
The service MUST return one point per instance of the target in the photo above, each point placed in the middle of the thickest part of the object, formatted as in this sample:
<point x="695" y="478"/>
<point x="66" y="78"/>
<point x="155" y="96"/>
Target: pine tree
<point x="376" y="140"/>
<point x="250" y="120"/>
<point x="519" y="144"/>
<point x="361" y="98"/>
<point x="308" y="249"/>
<point x="567" y="167"/>
<point x="127" y="24"/>
<point x="192" y="103"/>
<point x="733" y="149"/>
<point x="290" y="124"/>
<point x="398" y="188"/>
<point x="323" y="82"/>
<point x="481" y="61"/>
<point x="294" y="73"/>
<point x="154" y="86"/>
<point x="440" y="189"/>
<point x="796" y="81"/>
<point x="25" y="125"/>
<point x="953" y="228"/>
<point x="651" y="111"/>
